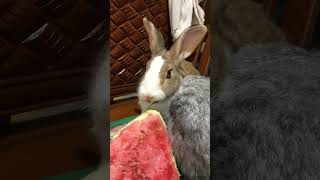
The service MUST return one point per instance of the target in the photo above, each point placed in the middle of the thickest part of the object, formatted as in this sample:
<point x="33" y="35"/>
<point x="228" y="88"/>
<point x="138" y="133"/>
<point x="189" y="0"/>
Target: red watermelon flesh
<point x="141" y="150"/>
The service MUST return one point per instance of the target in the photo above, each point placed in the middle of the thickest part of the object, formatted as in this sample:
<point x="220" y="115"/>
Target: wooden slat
<point x="299" y="21"/>
<point x="14" y="97"/>
<point x="205" y="58"/>
<point x="31" y="107"/>
<point x="269" y="6"/>
<point x="122" y="89"/>
<point x="195" y="55"/>
<point x="11" y="81"/>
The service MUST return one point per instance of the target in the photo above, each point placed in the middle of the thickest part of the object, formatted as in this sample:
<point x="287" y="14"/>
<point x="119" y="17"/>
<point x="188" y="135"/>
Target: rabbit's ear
<point x="186" y="43"/>
<point x="155" y="38"/>
<point x="186" y="68"/>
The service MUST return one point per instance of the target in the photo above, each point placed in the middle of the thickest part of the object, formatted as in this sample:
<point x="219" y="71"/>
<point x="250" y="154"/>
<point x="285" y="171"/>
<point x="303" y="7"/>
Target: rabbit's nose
<point x="148" y="98"/>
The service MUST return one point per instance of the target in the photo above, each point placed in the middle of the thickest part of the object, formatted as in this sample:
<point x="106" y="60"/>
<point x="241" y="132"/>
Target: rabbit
<point x="265" y="115"/>
<point x="189" y="127"/>
<point x="237" y="23"/>
<point x="166" y="68"/>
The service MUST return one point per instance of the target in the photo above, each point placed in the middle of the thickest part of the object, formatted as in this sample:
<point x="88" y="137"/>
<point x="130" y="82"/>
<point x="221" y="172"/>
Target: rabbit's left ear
<point x="156" y="40"/>
<point x="186" y="43"/>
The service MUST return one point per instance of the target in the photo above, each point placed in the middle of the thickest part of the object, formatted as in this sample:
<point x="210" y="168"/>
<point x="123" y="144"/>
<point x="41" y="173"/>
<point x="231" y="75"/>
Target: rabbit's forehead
<point x="155" y="66"/>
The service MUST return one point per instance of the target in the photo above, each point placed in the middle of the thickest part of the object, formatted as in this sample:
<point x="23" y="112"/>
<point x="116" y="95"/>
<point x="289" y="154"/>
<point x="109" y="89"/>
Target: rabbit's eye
<point x="169" y="74"/>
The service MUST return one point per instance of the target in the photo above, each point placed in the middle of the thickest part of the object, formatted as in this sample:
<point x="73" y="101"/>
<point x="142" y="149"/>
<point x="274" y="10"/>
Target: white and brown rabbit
<point x="167" y="68"/>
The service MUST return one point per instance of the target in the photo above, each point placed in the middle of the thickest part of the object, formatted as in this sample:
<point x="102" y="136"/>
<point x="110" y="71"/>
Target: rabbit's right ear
<point x="155" y="38"/>
<point x="187" y="42"/>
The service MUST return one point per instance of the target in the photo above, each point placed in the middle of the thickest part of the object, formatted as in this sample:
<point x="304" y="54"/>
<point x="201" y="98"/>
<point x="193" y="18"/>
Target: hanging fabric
<point x="183" y="14"/>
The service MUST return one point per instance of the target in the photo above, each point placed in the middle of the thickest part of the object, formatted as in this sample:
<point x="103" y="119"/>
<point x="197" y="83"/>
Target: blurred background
<point x="298" y="20"/>
<point x="48" y="50"/>
<point x="47" y="55"/>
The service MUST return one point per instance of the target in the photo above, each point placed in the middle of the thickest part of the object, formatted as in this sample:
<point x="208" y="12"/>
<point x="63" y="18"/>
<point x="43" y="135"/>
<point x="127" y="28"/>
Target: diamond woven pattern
<point x="47" y="51"/>
<point x="128" y="39"/>
<point x="37" y="36"/>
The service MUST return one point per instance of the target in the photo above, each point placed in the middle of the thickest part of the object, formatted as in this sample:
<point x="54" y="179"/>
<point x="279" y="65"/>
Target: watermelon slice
<point x="141" y="150"/>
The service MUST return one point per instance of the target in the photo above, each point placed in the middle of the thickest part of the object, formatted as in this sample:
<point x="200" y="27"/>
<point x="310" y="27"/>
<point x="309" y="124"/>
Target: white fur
<point x="150" y="85"/>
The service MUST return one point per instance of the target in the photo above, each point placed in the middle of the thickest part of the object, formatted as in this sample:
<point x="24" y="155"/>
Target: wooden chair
<point x="297" y="19"/>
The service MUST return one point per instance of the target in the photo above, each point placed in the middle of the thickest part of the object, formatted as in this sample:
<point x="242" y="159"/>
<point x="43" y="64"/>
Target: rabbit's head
<point x="166" y="68"/>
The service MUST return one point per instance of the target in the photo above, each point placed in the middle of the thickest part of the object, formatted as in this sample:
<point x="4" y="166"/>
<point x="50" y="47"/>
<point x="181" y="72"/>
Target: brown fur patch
<point x="169" y="86"/>
<point x="187" y="68"/>
<point x="179" y="69"/>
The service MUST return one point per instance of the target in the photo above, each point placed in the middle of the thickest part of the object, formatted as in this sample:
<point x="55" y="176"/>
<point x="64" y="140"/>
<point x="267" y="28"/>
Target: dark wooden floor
<point x="45" y="151"/>
<point x="123" y="109"/>
<point x="53" y="146"/>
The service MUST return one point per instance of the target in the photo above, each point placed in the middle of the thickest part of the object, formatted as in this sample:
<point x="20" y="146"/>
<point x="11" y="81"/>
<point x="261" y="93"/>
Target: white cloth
<point x="183" y="14"/>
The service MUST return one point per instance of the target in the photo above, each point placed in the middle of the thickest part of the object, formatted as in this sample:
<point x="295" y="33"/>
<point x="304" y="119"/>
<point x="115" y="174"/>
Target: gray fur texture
<point x="189" y="127"/>
<point x="266" y="115"/>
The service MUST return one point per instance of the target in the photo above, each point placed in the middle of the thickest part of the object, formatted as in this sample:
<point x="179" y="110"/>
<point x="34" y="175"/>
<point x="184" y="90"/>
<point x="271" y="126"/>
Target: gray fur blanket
<point x="266" y="115"/>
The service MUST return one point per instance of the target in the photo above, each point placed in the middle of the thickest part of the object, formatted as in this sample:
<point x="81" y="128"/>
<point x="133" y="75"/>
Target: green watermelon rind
<point x="140" y="118"/>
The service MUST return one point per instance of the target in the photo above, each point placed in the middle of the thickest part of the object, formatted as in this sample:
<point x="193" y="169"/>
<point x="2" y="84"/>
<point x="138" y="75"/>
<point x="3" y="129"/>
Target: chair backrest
<point x="129" y="43"/>
<point x="201" y="56"/>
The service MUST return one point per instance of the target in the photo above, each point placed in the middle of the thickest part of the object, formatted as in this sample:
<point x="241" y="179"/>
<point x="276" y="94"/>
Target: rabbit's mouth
<point x="152" y="103"/>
